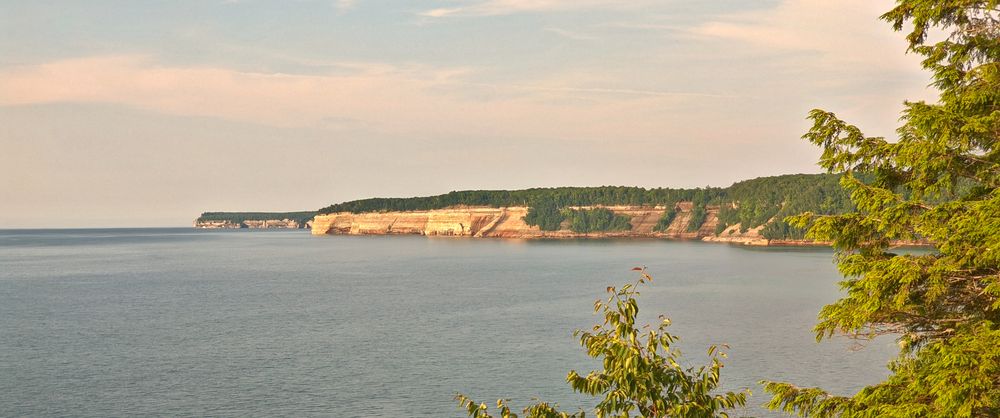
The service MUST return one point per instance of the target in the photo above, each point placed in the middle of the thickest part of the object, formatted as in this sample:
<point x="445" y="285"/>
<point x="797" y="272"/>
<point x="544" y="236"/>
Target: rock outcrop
<point x="217" y="224"/>
<point x="253" y="224"/>
<point x="468" y="222"/>
<point x="508" y="222"/>
<point x="735" y="234"/>
<point x="273" y="223"/>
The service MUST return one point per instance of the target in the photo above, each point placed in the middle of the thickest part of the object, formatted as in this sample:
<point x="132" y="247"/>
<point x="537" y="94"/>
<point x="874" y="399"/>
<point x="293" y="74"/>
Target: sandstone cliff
<point x="217" y="224"/>
<point x="508" y="222"/>
<point x="734" y="234"/>
<point x="254" y="224"/>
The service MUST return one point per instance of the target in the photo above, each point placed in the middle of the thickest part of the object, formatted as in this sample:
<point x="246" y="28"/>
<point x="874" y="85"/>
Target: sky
<point x="147" y="113"/>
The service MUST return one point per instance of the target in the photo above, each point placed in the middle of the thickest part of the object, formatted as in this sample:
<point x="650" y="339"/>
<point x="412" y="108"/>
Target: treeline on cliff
<point x="238" y="217"/>
<point x="750" y="203"/>
<point x="559" y="197"/>
<point x="548" y="217"/>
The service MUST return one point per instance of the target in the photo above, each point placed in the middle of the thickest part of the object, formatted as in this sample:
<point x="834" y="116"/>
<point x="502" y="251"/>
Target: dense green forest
<point x="668" y="217"/>
<point x="596" y="220"/>
<point x="750" y="203"/>
<point x="548" y="217"/>
<point x="756" y="201"/>
<point x="237" y="217"/>
<point x="545" y="215"/>
<point x="698" y="215"/>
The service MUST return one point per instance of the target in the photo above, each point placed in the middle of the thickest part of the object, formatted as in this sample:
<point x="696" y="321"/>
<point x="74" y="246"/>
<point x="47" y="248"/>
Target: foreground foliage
<point x="642" y="373"/>
<point x="939" y="181"/>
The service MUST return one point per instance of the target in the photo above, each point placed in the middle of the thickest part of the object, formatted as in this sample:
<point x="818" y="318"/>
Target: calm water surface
<point x="183" y="322"/>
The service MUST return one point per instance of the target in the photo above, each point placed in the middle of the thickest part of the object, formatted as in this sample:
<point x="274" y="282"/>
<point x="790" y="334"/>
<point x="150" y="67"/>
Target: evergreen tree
<point x="698" y="215"/>
<point x="938" y="181"/>
<point x="668" y="218"/>
<point x="545" y="215"/>
<point x="596" y="220"/>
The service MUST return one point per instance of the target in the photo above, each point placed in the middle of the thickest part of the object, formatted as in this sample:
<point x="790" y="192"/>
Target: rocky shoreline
<point x="508" y="222"/>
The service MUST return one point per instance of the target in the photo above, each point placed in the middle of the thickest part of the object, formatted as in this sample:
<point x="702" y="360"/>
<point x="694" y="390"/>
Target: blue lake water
<point x="183" y="322"/>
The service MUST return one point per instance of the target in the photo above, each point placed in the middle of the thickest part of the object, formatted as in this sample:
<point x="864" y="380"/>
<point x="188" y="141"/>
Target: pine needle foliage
<point x="545" y="215"/>
<point x="698" y="215"/>
<point x="937" y="182"/>
<point x="596" y="220"/>
<point x="663" y="224"/>
<point x="642" y="374"/>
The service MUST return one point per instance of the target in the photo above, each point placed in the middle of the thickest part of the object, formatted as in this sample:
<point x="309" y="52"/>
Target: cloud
<point x="410" y="100"/>
<point x="343" y="6"/>
<point x="508" y="7"/>
<point x="576" y="36"/>
<point x="837" y="33"/>
<point x="443" y="12"/>
<point x="643" y="26"/>
<point x="600" y="91"/>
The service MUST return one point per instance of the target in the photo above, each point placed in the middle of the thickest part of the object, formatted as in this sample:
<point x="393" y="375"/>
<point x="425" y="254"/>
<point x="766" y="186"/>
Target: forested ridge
<point x="759" y="200"/>
<point x="559" y="197"/>
<point x="750" y="203"/>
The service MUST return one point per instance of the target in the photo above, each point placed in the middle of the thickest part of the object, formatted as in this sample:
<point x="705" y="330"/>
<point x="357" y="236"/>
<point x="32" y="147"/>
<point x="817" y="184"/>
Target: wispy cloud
<point x="837" y="33"/>
<point x="576" y="36"/>
<point x="507" y="7"/>
<point x="643" y="26"/>
<point x="599" y="90"/>
<point x="343" y="6"/>
<point x="441" y="12"/>
<point x="410" y="100"/>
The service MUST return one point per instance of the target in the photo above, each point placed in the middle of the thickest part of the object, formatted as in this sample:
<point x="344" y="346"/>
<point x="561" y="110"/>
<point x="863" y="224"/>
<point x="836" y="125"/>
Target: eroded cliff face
<point x="509" y="222"/>
<point x="468" y="222"/>
<point x="734" y="234"/>
<point x="217" y="224"/>
<point x="253" y="224"/>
